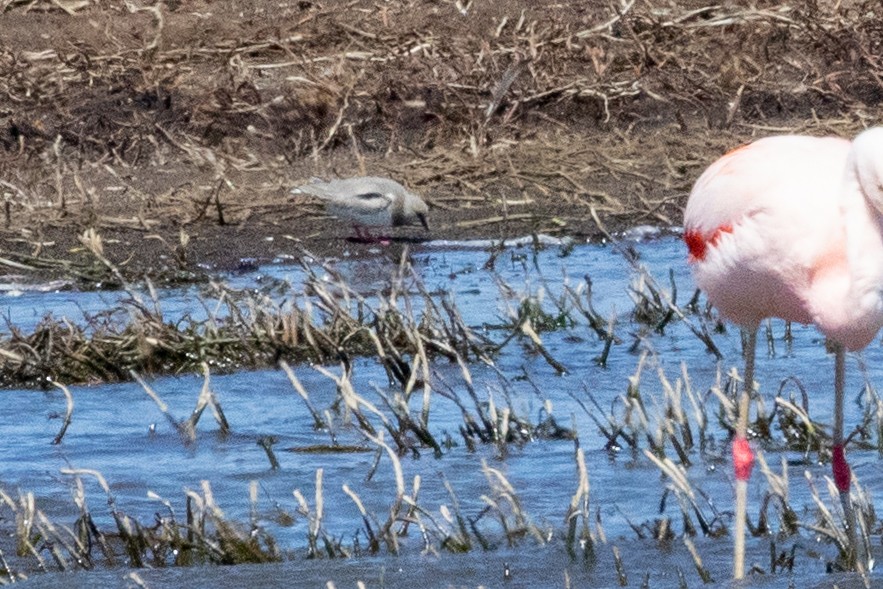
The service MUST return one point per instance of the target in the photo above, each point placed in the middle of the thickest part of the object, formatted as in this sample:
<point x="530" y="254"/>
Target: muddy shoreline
<point x="174" y="131"/>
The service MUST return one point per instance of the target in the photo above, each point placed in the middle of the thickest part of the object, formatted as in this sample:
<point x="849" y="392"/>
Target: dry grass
<point x="150" y="118"/>
<point x="327" y="322"/>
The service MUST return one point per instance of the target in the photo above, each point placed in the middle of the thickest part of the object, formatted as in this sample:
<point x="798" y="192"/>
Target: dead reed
<point x="326" y="322"/>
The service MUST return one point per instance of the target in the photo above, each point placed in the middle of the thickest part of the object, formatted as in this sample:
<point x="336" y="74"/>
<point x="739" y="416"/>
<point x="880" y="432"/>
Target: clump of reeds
<point x="205" y="536"/>
<point x="327" y="322"/>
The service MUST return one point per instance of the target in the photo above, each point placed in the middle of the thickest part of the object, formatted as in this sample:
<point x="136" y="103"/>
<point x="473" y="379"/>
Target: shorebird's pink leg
<point x="363" y="235"/>
<point x="743" y="459"/>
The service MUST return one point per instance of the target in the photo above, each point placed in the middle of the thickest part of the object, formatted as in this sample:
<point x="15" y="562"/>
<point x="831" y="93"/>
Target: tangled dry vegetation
<point x="325" y="322"/>
<point x="510" y="116"/>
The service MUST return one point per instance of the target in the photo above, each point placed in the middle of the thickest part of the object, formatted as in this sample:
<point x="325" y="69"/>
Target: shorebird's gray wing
<point x="353" y="193"/>
<point x="375" y="201"/>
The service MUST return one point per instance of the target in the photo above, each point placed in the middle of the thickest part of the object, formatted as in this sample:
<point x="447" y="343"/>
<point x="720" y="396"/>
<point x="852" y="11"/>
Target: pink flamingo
<point x="792" y="227"/>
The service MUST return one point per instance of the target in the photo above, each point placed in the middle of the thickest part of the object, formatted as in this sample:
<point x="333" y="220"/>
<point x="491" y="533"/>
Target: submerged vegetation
<point x="429" y="354"/>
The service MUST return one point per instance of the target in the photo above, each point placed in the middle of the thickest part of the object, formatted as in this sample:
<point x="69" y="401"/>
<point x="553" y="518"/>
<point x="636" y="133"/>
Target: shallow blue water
<point x="119" y="431"/>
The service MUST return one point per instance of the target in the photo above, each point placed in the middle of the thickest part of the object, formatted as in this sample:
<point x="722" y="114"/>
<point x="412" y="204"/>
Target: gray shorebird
<point x="369" y="201"/>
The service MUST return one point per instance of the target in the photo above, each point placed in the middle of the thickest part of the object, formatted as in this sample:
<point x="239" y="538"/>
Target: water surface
<point x="118" y="431"/>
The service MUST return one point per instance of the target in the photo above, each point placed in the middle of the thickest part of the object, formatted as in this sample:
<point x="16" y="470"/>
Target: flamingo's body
<point x="792" y="227"/>
<point x="782" y="227"/>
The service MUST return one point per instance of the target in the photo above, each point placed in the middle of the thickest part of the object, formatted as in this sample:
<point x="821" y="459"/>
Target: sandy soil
<point x="175" y="129"/>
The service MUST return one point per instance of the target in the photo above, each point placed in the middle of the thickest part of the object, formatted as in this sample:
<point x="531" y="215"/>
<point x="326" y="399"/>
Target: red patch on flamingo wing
<point x="698" y="243"/>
